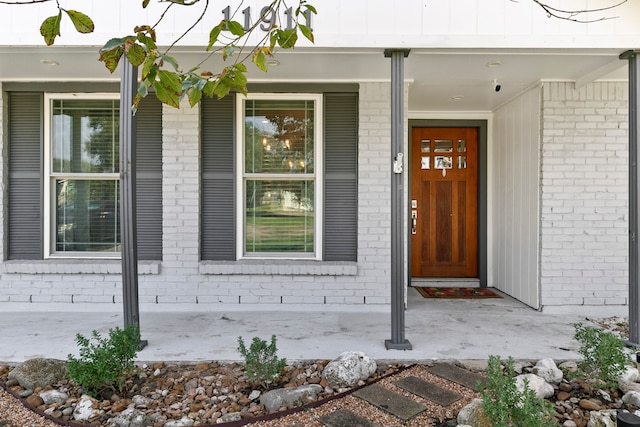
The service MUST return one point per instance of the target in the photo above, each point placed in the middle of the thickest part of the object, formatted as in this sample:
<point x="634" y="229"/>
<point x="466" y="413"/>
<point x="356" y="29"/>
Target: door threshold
<point x="446" y="282"/>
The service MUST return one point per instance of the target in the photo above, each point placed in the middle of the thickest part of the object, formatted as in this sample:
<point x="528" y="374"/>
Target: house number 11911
<point x="267" y="17"/>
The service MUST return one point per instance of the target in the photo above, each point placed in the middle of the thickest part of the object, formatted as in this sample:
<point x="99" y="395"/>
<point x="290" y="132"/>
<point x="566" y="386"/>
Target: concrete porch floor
<point x="438" y="329"/>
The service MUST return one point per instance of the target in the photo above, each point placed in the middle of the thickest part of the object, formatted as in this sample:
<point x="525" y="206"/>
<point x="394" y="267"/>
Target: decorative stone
<point x="275" y="399"/>
<point x="547" y="370"/>
<point x="542" y="389"/>
<point x="349" y="368"/>
<point x="53" y="396"/>
<point x="130" y="418"/>
<point x="473" y="415"/>
<point x="230" y="417"/>
<point x="632" y="398"/>
<point x="85" y="409"/>
<point x="34" y="400"/>
<point x="254" y="395"/>
<point x="39" y="372"/>
<point x="182" y="422"/>
<point x="590" y="405"/>
<point x="602" y="419"/>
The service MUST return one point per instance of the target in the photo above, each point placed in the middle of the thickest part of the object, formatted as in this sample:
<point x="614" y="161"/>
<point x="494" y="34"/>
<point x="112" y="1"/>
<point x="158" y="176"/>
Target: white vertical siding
<point x="515" y="176"/>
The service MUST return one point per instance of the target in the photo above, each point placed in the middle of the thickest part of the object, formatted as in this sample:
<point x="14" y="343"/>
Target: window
<point x="280" y="162"/>
<point x="82" y="167"/>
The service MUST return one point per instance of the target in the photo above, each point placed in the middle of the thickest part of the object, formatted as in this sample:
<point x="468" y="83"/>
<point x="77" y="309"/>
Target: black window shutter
<point x="149" y="178"/>
<point x="340" y="177"/>
<point x="25" y="189"/>
<point x="218" y="189"/>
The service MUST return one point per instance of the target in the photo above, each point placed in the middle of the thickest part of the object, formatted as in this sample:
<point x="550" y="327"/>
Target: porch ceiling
<point x="436" y="75"/>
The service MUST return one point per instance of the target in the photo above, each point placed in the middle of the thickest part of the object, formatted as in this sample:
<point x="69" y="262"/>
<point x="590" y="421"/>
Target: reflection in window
<point x="462" y="146"/>
<point x="87" y="216"/>
<point x="462" y="162"/>
<point x="279" y="216"/>
<point x="280" y="182"/>
<point x="426" y="162"/>
<point x="443" y="162"/>
<point x="426" y="145"/>
<point x="443" y="146"/>
<point x="83" y="167"/>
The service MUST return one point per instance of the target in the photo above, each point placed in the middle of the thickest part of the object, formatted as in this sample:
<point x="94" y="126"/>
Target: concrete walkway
<point x="438" y="329"/>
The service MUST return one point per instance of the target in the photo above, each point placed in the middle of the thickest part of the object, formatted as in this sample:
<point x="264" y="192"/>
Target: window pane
<point x="443" y="146"/>
<point x="87" y="216"/>
<point x="85" y="136"/>
<point x="279" y="217"/>
<point x="279" y="136"/>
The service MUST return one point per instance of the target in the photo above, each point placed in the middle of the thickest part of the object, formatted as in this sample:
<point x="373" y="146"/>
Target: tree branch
<point x="576" y="15"/>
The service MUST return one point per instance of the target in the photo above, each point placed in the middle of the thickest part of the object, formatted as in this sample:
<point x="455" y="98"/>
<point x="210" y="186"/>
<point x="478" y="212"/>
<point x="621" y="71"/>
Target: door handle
<point x="414" y="222"/>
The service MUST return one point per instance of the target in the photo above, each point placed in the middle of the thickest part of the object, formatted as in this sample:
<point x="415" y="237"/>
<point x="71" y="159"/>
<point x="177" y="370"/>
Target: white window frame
<point x="316" y="176"/>
<point x="50" y="179"/>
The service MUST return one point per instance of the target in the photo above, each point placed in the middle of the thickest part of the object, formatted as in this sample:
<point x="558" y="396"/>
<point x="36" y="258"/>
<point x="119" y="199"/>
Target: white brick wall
<point x="584" y="202"/>
<point x="181" y="278"/>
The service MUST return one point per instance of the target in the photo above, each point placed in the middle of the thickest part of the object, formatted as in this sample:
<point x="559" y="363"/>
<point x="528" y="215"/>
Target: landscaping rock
<point x="53" y="396"/>
<point x="542" y="389"/>
<point x="602" y="419"/>
<point x="86" y="409"/>
<point x="349" y="368"/>
<point x="182" y="422"/>
<point x="228" y="418"/>
<point x="547" y="370"/>
<point x="632" y="398"/>
<point x="39" y="372"/>
<point x="130" y="418"/>
<point x="473" y="415"/>
<point x="289" y="397"/>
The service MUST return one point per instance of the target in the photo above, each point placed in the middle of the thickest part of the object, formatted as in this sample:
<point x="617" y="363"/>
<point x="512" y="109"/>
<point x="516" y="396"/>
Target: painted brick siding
<point x="181" y="278"/>
<point x="584" y="194"/>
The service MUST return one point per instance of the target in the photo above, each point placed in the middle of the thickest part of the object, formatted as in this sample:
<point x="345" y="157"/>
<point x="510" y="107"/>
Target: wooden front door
<point x="444" y="202"/>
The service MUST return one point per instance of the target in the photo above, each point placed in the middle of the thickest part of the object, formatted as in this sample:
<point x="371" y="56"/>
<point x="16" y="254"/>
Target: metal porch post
<point x="128" y="237"/>
<point x="634" y="197"/>
<point x="397" y="341"/>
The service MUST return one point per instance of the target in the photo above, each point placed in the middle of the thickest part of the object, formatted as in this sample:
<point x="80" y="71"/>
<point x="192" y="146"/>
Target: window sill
<point x="279" y="268"/>
<point x="74" y="266"/>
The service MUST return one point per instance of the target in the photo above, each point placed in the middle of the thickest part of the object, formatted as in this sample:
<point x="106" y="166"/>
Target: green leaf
<point x="214" y="34"/>
<point x="82" y="22"/>
<point x="143" y="89"/>
<point x="287" y="38"/>
<point x="113" y="43"/>
<point x="260" y="59"/>
<point x="194" y="96"/>
<point x="273" y="39"/>
<point x="149" y="65"/>
<point x="311" y="8"/>
<point x="147" y="42"/>
<point x="168" y="88"/>
<point x="236" y="28"/>
<point x="171" y="60"/>
<point x="145" y="3"/>
<point x="306" y="31"/>
<point x="50" y="28"/>
<point x="209" y="88"/>
<point x="111" y="58"/>
<point x="136" y="54"/>
<point x="228" y="51"/>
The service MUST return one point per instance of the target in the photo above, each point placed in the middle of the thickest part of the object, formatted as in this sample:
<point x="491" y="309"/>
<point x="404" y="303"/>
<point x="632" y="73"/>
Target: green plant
<point x="604" y="355"/>
<point x="506" y="406"/>
<point x="104" y="363"/>
<point x="261" y="361"/>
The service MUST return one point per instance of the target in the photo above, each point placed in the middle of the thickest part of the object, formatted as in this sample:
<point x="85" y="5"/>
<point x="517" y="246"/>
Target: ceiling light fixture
<point x="494" y="64"/>
<point x="457" y="97"/>
<point x="273" y="63"/>
<point x="50" y="62"/>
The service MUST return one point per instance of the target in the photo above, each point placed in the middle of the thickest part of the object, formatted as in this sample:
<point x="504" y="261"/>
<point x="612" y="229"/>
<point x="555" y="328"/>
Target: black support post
<point x="397" y="341"/>
<point x="128" y="236"/>
<point x="634" y="197"/>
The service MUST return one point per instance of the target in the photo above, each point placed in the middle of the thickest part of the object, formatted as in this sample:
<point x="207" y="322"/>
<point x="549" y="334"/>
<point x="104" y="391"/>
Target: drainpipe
<point x="128" y="230"/>
<point x="634" y="197"/>
<point x="397" y="341"/>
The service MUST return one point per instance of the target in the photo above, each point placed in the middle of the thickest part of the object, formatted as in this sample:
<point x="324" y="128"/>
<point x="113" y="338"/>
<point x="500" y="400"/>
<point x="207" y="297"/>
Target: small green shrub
<point x="604" y="355"/>
<point x="261" y="361"/>
<point x="505" y="406"/>
<point x="105" y="363"/>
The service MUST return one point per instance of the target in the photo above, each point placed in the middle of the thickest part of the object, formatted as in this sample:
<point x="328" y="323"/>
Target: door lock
<point x="414" y="222"/>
